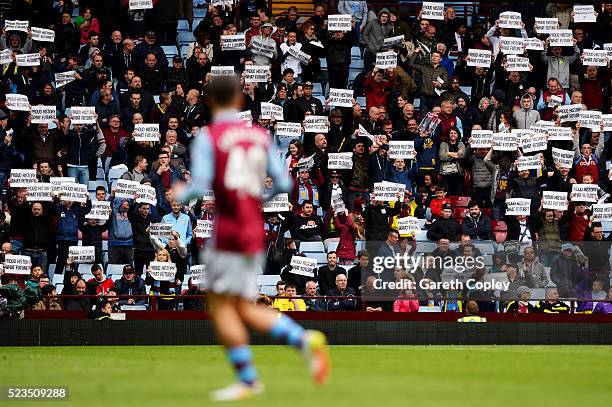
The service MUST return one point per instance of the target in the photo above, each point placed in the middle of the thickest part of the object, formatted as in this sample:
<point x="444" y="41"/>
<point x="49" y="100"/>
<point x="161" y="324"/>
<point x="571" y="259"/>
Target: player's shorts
<point x="231" y="273"/>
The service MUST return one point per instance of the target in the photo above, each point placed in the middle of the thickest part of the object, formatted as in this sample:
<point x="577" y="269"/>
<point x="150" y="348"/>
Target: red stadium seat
<point x="500" y="236"/>
<point x="499" y="225"/>
<point x="488" y="212"/>
<point x="459" y="213"/>
<point x="460" y="201"/>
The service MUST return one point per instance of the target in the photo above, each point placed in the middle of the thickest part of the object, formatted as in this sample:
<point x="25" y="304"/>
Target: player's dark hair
<point x="222" y="90"/>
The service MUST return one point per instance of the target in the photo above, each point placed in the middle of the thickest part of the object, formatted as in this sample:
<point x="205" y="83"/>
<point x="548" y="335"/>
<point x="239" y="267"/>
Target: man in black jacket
<point x="37" y="234"/>
<point x="376" y="217"/>
<point x="444" y="226"/>
<point x="307" y="226"/>
<point x="476" y="224"/>
<point x="341" y="290"/>
<point x="326" y="275"/>
<point x="130" y="284"/>
<point x="140" y="218"/>
<point x="338" y="46"/>
<point x="153" y="75"/>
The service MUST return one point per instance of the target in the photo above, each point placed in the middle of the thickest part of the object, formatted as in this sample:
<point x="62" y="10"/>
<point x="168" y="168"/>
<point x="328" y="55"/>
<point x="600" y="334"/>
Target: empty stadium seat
<point x="115" y="269"/>
<point x="57" y="279"/>
<point x="170" y="50"/>
<point x="421" y="235"/>
<point x="332" y="245"/>
<point x="323" y="63"/>
<point x="317" y="89"/>
<point x="100" y="175"/>
<point x="460" y="201"/>
<point x="361" y="101"/>
<point x="116" y="173"/>
<point x="309" y="247"/>
<point x="268" y="279"/>
<point x="459" y="213"/>
<point x="183" y="25"/>
<point x="51" y="269"/>
<point x="133" y="308"/>
<point x="321" y="257"/>
<point x="357" y="64"/>
<point x="85" y="268"/>
<point x="184" y="37"/>
<point x="499" y="225"/>
<point x="500" y="236"/>
<point x="95" y="184"/>
<point x="488" y="212"/>
<point x="355" y="53"/>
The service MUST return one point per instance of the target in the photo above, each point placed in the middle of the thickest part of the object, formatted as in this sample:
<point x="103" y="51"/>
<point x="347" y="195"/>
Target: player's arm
<point x="202" y="169"/>
<point x="282" y="182"/>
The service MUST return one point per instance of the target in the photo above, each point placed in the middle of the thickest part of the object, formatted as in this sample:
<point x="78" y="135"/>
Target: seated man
<point x="292" y="303"/>
<point x="551" y="303"/>
<point x="476" y="224"/>
<point x="314" y="304"/>
<point x="341" y="290"/>
<point x="130" y="284"/>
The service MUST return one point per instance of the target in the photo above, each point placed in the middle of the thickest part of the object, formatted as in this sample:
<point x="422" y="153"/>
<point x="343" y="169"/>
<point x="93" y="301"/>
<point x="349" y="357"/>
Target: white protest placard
<point x="204" y="228"/>
<point x="146" y="132"/>
<point x="288" y="130"/>
<point x="432" y="11"/>
<point x="208" y="195"/>
<point x="534" y="142"/>
<point x="22" y="177"/>
<point x="306" y="162"/>
<point x="340" y="161"/>
<point x="42" y="34"/>
<point x="544" y="25"/>
<point x="364" y="133"/>
<point x="512" y="45"/>
<point x="160" y="230"/>
<point x="408" y="225"/>
<point x="40" y="192"/>
<point x="401" y="149"/>
<point x="16" y="25"/>
<point x="584" y="193"/>
<point x="510" y="19"/>
<point x="590" y="119"/>
<point x="505" y="142"/>
<point x="299" y="54"/>
<point x="337" y="204"/>
<point x="555" y="200"/>
<point x="256" y="73"/>
<point x="385" y="192"/>
<point x="222" y="70"/>
<point x="602" y="212"/>
<point x="57" y="182"/>
<point x="28" y="59"/>
<point x="339" y="22"/>
<point x="246" y="116"/>
<point x="259" y="48"/>
<point x="560" y="134"/>
<point x="233" y="42"/>
<point x="517" y="64"/>
<point x="125" y="188"/>
<point x="100" y="210"/>
<point x="608" y="48"/>
<point x="401" y="188"/>
<point x="607" y="122"/>
<point x="341" y="97"/>
<point x="565" y="158"/>
<point x="197" y="274"/>
<point x="16" y="264"/>
<point x="534" y="44"/>
<point x="316" y="124"/>
<point x="386" y="59"/>
<point x="569" y="113"/>
<point x="392" y="42"/>
<point x="594" y="57"/>
<point x="481" y="139"/>
<point x="529" y="162"/>
<point x="584" y="13"/>
<point x="304" y="266"/>
<point x="146" y="194"/>
<point x="15" y="101"/>
<point x="43" y="114"/>
<point x="518" y="206"/>
<point x="82" y="254"/>
<point x="280" y="203"/>
<point x="222" y="3"/>
<point x="6" y="56"/>
<point x="162" y="271"/>
<point x="271" y="111"/>
<point x="561" y="38"/>
<point x="74" y="192"/>
<point x="62" y="78"/>
<point x="141" y="4"/>
<point x="83" y="114"/>
<point x="479" y="57"/>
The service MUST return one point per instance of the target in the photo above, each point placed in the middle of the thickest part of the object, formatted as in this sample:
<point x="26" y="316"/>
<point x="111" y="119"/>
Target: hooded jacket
<point x="525" y="118"/>
<point x="120" y="233"/>
<point x="374" y="33"/>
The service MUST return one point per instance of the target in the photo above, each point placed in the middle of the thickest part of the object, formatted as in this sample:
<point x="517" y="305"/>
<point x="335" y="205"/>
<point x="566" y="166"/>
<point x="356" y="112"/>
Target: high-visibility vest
<point x="474" y="318"/>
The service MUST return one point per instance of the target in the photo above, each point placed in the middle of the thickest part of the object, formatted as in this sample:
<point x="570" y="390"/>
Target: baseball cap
<point x="150" y="33"/>
<point x="267" y="25"/>
<point x="177" y="58"/>
<point x="3" y="115"/>
<point x="307" y="85"/>
<point x="128" y="269"/>
<point x="447" y="206"/>
<point x="567" y="246"/>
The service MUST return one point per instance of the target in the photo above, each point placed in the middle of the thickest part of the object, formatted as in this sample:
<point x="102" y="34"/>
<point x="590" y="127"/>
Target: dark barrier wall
<point x="199" y="332"/>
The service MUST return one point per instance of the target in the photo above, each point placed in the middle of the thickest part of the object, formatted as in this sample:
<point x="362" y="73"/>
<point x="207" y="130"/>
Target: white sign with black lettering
<point x="304" y="266"/>
<point x="584" y="14"/>
<point x="208" y="195"/>
<point x="16" y="25"/>
<point x="22" y="177"/>
<point x="534" y="44"/>
<point x="259" y="48"/>
<point x="584" y="193"/>
<point x="6" y="56"/>
<point x="141" y="4"/>
<point x="393" y="42"/>
<point x="43" y="114"/>
<point x="146" y="132"/>
<point x="545" y="25"/>
<point x="339" y="22"/>
<point x="555" y="200"/>
<point x="565" y="158"/>
<point x="162" y="271"/>
<point x="386" y="59"/>
<point x="590" y="119"/>
<point x="479" y="57"/>
<point x="100" y="210"/>
<point x="401" y="188"/>
<point x="510" y="19"/>
<point x="256" y="73"/>
<point x="82" y="254"/>
<point x="337" y="204"/>
<point x="560" y="134"/>
<point x="481" y="139"/>
<point x="83" y="114"/>
<point x="40" y="192"/>
<point x="341" y="97"/>
<point x="408" y="225"/>
<point x="63" y="78"/>
<point x="42" y="34"/>
<point x="340" y="161"/>
<point x="561" y="38"/>
<point x="74" y="192"/>
<point x="386" y="192"/>
<point x="288" y="130"/>
<point x="280" y="203"/>
<point x="146" y="194"/>
<point x="594" y="57"/>
<point x="222" y="70"/>
<point x="512" y="45"/>
<point x="299" y="55"/>
<point x="197" y="274"/>
<point x="505" y="141"/>
<point x="233" y="42"/>
<point x="518" y="206"/>
<point x="246" y="116"/>
<point x="16" y="264"/>
<point x="529" y="162"/>
<point x="57" y="182"/>
<point x="204" y="228"/>
<point x="160" y="230"/>
<point x="517" y="64"/>
<point x="401" y="149"/>
<point x="15" y="101"/>
<point x="271" y="111"/>
<point x="316" y="124"/>
<point x="28" y="59"/>
<point x="125" y="188"/>
<point x="602" y="212"/>
<point x="569" y="113"/>
<point x="534" y="142"/>
<point x="432" y="11"/>
<point x="608" y="48"/>
<point x="607" y="122"/>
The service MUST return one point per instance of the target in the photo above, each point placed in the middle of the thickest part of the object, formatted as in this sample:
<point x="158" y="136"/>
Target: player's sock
<point x="287" y="331"/>
<point x="242" y="359"/>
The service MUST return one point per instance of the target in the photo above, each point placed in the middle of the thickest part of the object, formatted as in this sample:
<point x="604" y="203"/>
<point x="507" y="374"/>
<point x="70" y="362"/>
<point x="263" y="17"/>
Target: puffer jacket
<point x="525" y="118"/>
